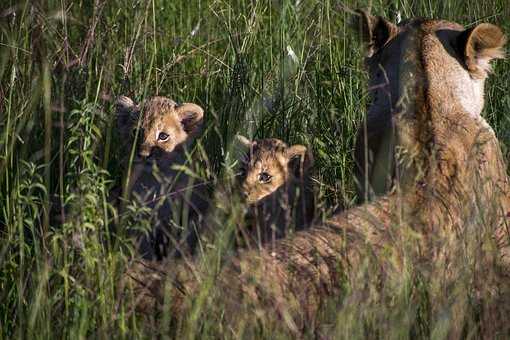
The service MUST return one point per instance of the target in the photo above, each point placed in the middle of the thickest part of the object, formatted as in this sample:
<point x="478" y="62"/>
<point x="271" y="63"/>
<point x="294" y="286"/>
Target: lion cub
<point x="276" y="185"/>
<point x="175" y="201"/>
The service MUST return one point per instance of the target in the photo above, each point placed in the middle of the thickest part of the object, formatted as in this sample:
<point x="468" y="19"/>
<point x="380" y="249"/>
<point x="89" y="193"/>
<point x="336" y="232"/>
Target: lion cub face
<point x="164" y="124"/>
<point x="269" y="164"/>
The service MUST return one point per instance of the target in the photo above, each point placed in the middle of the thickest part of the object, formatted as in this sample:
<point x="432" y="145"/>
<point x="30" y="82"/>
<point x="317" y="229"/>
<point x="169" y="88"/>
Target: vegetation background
<point x="290" y="69"/>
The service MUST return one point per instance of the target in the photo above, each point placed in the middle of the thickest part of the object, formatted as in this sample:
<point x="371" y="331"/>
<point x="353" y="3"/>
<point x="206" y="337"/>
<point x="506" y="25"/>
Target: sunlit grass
<point x="286" y="69"/>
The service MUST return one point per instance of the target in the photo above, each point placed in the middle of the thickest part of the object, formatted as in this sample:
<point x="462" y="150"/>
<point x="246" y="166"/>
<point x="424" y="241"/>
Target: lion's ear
<point x="243" y="148"/>
<point x="375" y="31"/>
<point x="245" y="142"/>
<point x="127" y="113"/>
<point x="191" y="117"/>
<point x="480" y="45"/>
<point x="299" y="159"/>
<point x="295" y="151"/>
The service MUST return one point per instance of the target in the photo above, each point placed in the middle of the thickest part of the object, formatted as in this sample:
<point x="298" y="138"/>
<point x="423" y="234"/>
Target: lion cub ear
<point x="375" y="31"/>
<point x="299" y="159"/>
<point x="295" y="151"/>
<point x="480" y="45"/>
<point x="191" y="117"/>
<point x="127" y="114"/>
<point x="243" y="147"/>
<point x="245" y="142"/>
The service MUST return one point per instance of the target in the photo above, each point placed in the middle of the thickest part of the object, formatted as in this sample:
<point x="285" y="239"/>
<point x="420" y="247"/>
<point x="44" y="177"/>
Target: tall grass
<point x="286" y="69"/>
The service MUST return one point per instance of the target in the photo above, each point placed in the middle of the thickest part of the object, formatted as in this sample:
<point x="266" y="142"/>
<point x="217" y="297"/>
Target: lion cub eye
<point x="264" y="177"/>
<point x="163" y="137"/>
